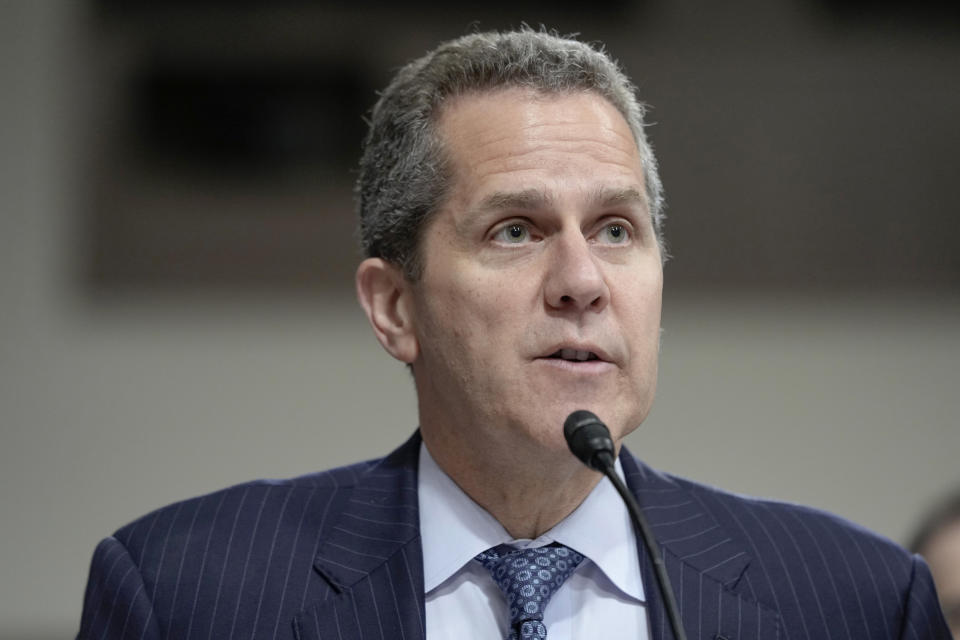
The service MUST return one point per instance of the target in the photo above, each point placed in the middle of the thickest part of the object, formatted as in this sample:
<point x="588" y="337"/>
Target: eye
<point x="614" y="234"/>
<point x="513" y="233"/>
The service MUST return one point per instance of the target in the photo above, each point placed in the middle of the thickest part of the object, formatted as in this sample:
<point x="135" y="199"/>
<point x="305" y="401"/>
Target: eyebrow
<point x="606" y="197"/>
<point x="526" y="200"/>
<point x="533" y="199"/>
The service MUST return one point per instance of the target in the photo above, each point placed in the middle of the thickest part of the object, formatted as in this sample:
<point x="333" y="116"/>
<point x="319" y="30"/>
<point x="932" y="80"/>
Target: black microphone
<point x="589" y="440"/>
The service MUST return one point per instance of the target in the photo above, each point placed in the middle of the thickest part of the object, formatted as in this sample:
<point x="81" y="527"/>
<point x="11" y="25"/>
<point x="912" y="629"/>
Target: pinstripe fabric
<point x="748" y="568"/>
<point x="233" y="564"/>
<point x="337" y="555"/>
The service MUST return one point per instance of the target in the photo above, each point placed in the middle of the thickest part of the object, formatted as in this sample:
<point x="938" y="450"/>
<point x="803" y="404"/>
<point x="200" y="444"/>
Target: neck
<point x="528" y="492"/>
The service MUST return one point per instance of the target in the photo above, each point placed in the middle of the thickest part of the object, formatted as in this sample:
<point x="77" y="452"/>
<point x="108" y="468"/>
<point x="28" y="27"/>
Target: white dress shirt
<point x="602" y="599"/>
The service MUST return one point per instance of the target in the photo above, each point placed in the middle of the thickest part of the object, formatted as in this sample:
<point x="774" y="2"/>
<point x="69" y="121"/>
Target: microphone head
<point x="588" y="438"/>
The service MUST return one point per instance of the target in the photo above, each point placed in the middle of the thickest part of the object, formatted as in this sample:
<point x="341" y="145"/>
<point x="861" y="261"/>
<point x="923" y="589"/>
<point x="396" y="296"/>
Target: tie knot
<point x="528" y="579"/>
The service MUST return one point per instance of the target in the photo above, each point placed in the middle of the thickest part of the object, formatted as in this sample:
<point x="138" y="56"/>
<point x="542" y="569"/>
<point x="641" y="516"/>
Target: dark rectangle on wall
<point x="229" y="174"/>
<point x="249" y="118"/>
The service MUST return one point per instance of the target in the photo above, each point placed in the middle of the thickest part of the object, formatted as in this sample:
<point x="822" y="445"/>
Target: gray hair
<point x="403" y="173"/>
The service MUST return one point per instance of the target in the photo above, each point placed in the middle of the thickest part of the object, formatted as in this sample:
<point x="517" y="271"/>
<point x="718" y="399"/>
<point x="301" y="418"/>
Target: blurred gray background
<point x="176" y="254"/>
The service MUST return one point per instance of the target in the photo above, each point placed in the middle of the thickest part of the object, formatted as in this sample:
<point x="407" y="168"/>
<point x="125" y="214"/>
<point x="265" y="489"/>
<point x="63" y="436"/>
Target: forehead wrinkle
<point x="571" y="137"/>
<point x="573" y="131"/>
<point x="528" y="158"/>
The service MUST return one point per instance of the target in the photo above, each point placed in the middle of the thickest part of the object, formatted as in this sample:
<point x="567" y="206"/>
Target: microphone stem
<point x="663" y="581"/>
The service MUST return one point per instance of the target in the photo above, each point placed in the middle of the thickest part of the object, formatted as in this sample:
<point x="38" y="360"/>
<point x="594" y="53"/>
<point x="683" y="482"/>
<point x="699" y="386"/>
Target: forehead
<point x="495" y="100"/>
<point x="521" y="137"/>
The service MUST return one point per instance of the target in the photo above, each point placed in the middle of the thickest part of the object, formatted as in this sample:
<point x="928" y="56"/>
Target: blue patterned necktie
<point x="529" y="578"/>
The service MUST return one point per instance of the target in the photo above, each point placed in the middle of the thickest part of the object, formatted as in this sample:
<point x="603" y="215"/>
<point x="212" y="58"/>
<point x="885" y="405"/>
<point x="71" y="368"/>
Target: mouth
<point x="573" y="355"/>
<point x="576" y="352"/>
<point x="583" y="360"/>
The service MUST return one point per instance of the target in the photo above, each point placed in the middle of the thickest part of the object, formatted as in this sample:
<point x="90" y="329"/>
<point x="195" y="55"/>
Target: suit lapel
<point x="704" y="563"/>
<point x="372" y="559"/>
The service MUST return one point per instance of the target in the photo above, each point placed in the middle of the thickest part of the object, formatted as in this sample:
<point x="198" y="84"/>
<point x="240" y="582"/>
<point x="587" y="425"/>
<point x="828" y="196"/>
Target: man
<point x="938" y="541"/>
<point x="511" y="213"/>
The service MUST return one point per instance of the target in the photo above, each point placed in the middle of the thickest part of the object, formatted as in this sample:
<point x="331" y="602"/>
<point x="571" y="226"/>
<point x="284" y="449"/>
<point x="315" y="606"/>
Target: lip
<point x="602" y="356"/>
<point x="579" y="368"/>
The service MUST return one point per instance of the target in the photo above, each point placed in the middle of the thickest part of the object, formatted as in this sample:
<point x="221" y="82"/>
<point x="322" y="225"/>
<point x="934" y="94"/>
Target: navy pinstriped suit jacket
<point x="336" y="555"/>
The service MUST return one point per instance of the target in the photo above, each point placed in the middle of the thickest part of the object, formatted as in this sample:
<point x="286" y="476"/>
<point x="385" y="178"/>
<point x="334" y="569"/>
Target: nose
<point x="574" y="281"/>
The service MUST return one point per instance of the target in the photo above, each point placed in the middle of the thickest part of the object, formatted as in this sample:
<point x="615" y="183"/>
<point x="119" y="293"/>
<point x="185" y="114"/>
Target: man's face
<point x="542" y="278"/>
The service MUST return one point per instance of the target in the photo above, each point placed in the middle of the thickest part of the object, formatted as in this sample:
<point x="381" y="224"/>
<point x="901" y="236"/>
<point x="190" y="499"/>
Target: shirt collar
<point x="454" y="529"/>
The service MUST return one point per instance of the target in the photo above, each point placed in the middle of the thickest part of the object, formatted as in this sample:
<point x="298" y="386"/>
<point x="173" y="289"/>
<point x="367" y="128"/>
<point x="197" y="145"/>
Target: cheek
<point x="482" y="300"/>
<point x="454" y="316"/>
<point x="642" y="326"/>
<point x="642" y="310"/>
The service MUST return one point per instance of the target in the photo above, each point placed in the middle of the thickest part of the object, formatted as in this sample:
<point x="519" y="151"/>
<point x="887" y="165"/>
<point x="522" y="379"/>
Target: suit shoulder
<point x="800" y="529"/>
<point x="815" y="568"/>
<point x="297" y="501"/>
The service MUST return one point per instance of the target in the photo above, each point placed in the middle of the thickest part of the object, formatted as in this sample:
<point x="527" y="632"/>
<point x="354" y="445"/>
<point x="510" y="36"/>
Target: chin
<point x="549" y="423"/>
<point x="620" y="421"/>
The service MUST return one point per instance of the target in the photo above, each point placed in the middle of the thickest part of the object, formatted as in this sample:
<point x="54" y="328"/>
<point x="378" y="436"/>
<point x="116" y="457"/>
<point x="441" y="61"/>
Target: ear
<point x="385" y="296"/>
